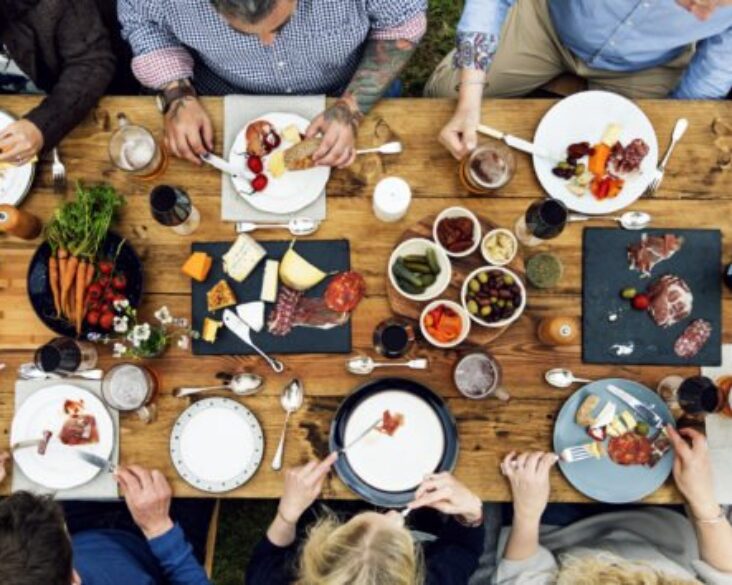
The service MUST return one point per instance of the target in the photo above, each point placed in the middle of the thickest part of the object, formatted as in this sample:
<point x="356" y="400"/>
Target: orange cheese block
<point x="197" y="266"/>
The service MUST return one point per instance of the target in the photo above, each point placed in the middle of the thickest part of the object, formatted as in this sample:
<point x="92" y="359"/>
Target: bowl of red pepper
<point x="444" y="323"/>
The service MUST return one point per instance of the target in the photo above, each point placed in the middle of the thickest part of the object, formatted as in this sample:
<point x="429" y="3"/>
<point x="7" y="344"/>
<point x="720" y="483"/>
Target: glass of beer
<point x="478" y="375"/>
<point x="133" y="149"/>
<point x="487" y="168"/>
<point x="131" y="388"/>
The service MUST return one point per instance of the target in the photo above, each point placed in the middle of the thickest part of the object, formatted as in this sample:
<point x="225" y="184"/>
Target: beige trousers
<point x="530" y="55"/>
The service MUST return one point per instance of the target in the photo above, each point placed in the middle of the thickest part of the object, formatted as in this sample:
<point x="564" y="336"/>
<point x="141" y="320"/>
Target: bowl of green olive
<point x="493" y="296"/>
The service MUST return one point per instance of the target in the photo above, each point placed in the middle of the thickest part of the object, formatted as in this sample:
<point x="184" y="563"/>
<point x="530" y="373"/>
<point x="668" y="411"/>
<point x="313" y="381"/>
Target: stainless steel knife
<point x="368" y="430"/>
<point x="234" y="324"/>
<point x="645" y="412"/>
<point x="95" y="460"/>
<point x="515" y="142"/>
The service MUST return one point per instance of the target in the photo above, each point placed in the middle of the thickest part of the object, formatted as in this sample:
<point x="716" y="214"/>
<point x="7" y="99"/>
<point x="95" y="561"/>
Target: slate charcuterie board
<point x="328" y="255"/>
<point x="606" y="272"/>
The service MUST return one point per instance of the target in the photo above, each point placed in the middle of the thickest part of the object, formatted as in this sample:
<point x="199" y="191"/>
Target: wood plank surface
<point x="488" y="429"/>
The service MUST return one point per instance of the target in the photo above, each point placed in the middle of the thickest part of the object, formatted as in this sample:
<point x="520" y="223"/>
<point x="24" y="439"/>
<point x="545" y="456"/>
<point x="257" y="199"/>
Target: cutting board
<point x="606" y="272"/>
<point x="328" y="255"/>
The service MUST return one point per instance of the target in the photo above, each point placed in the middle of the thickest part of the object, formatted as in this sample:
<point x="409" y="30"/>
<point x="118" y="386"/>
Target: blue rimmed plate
<point x="602" y="479"/>
<point x="386" y="470"/>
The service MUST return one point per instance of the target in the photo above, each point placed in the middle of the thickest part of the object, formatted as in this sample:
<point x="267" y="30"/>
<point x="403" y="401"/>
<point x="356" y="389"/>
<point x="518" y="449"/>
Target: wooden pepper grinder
<point x="18" y="223"/>
<point x="558" y="330"/>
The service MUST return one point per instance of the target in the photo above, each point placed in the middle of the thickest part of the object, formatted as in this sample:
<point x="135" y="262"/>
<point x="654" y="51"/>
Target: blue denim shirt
<point x="617" y="35"/>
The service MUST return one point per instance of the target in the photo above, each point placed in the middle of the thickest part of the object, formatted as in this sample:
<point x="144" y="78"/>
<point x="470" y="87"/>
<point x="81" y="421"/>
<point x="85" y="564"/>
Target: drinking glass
<point x="699" y="395"/>
<point x="172" y="207"/>
<point x="393" y="338"/>
<point x="133" y="149"/>
<point x="131" y="388"/>
<point x="487" y="168"/>
<point x="479" y="375"/>
<point x="64" y="355"/>
<point x="544" y="219"/>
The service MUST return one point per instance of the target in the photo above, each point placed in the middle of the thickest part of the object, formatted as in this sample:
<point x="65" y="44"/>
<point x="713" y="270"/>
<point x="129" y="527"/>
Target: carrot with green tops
<point x="63" y="261"/>
<point x="53" y="280"/>
<point x="68" y="280"/>
<point x="80" y="289"/>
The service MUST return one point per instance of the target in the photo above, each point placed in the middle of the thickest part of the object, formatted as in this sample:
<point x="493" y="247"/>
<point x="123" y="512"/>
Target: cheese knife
<point x="515" y="142"/>
<point x="645" y="412"/>
<point x="234" y="324"/>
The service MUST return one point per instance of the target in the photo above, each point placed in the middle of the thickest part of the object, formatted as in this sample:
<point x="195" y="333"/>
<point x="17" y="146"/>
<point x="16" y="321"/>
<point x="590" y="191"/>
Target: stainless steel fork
<point x="574" y="454"/>
<point x="59" y="173"/>
<point x="681" y="125"/>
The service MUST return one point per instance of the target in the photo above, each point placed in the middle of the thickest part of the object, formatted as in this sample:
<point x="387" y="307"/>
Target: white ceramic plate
<point x="400" y="462"/>
<point x="584" y="117"/>
<point x="15" y="182"/>
<point x="292" y="191"/>
<point x="59" y="469"/>
<point x="216" y="445"/>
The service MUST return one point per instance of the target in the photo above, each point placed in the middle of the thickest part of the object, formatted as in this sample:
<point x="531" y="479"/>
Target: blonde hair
<point x="357" y="553"/>
<point x="608" y="569"/>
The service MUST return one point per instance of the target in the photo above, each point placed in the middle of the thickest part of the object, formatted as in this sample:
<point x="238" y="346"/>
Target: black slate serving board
<point x="606" y="272"/>
<point x="328" y="255"/>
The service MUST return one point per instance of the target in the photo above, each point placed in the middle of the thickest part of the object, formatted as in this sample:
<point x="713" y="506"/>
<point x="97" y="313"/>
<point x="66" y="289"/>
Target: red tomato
<point x="119" y="282"/>
<point x="104" y="281"/>
<point x="94" y="291"/>
<point x="109" y="295"/>
<point x="254" y="163"/>
<point x="106" y="308"/>
<point x="259" y="183"/>
<point x="106" y="321"/>
<point x="106" y="267"/>
<point x="92" y="318"/>
<point x="641" y="302"/>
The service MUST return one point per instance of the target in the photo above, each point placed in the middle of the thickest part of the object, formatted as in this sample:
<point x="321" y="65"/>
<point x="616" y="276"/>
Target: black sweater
<point x="450" y="560"/>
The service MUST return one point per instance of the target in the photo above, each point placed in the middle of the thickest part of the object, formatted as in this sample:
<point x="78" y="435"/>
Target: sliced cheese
<point x="276" y="164"/>
<point x="243" y="257"/>
<point x="197" y="266"/>
<point x="612" y="135"/>
<point x="606" y="416"/>
<point x="615" y="428"/>
<point x="270" y="281"/>
<point x="292" y="134"/>
<point x="628" y="420"/>
<point x="252" y="314"/>
<point x="596" y="449"/>
<point x="210" y="330"/>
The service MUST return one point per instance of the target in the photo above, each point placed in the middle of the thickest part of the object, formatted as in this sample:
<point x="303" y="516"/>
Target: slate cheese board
<point x="606" y="272"/>
<point x="328" y="255"/>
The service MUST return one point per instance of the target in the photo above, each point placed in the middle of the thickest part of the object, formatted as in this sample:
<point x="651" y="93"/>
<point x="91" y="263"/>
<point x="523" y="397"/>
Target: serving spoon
<point x="561" y="378"/>
<point x="388" y="148"/>
<point x="364" y="365"/>
<point x="241" y="384"/>
<point x="630" y="220"/>
<point x="298" y="226"/>
<point x="291" y="400"/>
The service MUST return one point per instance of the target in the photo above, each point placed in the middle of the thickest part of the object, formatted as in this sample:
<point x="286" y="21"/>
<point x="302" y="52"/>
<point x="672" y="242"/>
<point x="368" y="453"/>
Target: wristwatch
<point x="182" y="88"/>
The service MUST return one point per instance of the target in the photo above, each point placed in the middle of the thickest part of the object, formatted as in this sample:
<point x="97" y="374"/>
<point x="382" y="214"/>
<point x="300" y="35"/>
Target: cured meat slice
<point x="694" y="337"/>
<point x="625" y="160"/>
<point x="314" y="312"/>
<point x="659" y="447"/>
<point x="345" y="291"/>
<point x="630" y="449"/>
<point x="390" y="423"/>
<point x="671" y="300"/>
<point x="281" y="318"/>
<point x="43" y="445"/>
<point x="651" y="250"/>
<point x="79" y="429"/>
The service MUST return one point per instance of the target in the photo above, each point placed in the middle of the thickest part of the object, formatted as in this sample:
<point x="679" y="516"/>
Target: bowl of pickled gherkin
<point x="493" y="296"/>
<point x="419" y="269"/>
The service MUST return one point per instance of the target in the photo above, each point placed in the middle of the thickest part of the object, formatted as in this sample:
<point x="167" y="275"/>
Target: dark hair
<point x="34" y="545"/>
<point x="250" y="11"/>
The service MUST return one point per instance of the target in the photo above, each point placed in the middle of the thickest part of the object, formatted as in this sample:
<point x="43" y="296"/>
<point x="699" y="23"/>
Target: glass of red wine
<point x="172" y="207"/>
<point x="544" y="219"/>
<point x="699" y="395"/>
<point x="64" y="355"/>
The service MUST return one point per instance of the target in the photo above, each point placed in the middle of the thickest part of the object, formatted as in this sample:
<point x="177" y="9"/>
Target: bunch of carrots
<point x="75" y="234"/>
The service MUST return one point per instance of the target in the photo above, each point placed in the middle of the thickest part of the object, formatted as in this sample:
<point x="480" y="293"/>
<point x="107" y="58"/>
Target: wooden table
<point x="694" y="194"/>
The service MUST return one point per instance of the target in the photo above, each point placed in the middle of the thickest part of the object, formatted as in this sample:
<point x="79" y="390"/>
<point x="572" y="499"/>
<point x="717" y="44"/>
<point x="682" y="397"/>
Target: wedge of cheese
<point x="243" y="257"/>
<point x="276" y="164"/>
<point x="292" y="134"/>
<point x="270" y="281"/>
<point x="197" y="266"/>
<point x="252" y="314"/>
<point x="210" y="330"/>
<point x="220" y="296"/>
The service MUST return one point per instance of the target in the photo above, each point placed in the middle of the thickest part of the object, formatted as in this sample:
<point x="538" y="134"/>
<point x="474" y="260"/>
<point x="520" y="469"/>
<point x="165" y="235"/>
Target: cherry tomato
<point x="94" y="291"/>
<point x="109" y="295"/>
<point x="106" y="267"/>
<point x="106" y="308"/>
<point x="254" y="163"/>
<point x="106" y="320"/>
<point x="92" y="318"/>
<point x="259" y="183"/>
<point x="104" y="281"/>
<point x="119" y="282"/>
<point x="641" y="302"/>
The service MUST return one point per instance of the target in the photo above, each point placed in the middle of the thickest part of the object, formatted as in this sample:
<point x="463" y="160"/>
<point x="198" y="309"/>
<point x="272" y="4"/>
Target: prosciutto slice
<point x="79" y="429"/>
<point x="314" y="312"/>
<point x="281" y="318"/>
<point x="625" y="160"/>
<point x="671" y="300"/>
<point x="643" y="256"/>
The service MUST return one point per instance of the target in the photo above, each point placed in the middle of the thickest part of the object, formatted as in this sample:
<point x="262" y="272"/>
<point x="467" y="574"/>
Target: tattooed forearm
<point x="341" y="112"/>
<point x="381" y="64"/>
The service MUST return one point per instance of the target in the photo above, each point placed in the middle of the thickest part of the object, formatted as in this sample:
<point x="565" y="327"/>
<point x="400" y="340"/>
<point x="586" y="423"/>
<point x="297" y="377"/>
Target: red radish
<point x="259" y="183"/>
<point x="106" y="321"/>
<point x="254" y="163"/>
<point x="641" y="302"/>
<point x="92" y="318"/>
<point x="106" y="267"/>
<point x="119" y="282"/>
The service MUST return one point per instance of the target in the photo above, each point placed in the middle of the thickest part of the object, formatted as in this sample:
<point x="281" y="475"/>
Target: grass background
<point x="243" y="522"/>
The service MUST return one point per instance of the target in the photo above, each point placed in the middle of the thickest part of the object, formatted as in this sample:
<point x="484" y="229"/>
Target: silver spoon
<point x="291" y="400"/>
<point x="298" y="226"/>
<point x="364" y="365"/>
<point x="630" y="220"/>
<point x="561" y="378"/>
<point x="388" y="148"/>
<point x="241" y="384"/>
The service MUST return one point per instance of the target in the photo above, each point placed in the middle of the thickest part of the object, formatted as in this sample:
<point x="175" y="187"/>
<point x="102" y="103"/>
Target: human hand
<point x="528" y="474"/>
<point x="693" y="471"/>
<point x="20" y="142"/>
<point x="188" y="130"/>
<point x="302" y="487"/>
<point x="148" y="496"/>
<point x="4" y="458"/>
<point x="459" y="135"/>
<point x="443" y="492"/>
<point x="338" y="125"/>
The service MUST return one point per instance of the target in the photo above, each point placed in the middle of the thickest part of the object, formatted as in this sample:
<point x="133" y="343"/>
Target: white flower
<point x="94" y="337"/>
<point x="120" y="324"/>
<point x="120" y="305"/>
<point x="183" y="342"/>
<point x="119" y="350"/>
<point x="139" y="334"/>
<point x="163" y="315"/>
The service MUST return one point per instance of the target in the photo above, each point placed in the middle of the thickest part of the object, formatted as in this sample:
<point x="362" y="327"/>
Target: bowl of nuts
<point x="493" y="296"/>
<point x="499" y="247"/>
<point x="457" y="231"/>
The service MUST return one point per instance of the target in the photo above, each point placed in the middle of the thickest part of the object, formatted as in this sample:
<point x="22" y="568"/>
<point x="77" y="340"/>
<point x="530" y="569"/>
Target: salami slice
<point x="345" y="291"/>
<point x="694" y="337"/>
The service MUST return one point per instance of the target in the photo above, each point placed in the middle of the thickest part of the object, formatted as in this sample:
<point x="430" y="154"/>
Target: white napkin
<point x="238" y="111"/>
<point x="103" y="486"/>
<point x="719" y="435"/>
